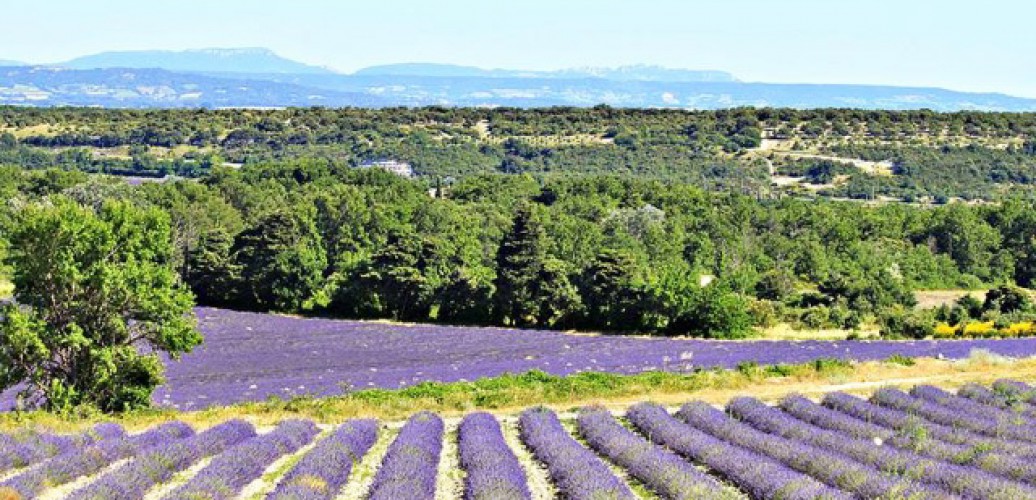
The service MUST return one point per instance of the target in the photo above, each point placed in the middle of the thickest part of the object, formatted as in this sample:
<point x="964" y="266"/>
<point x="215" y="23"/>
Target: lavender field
<point x="925" y="443"/>
<point x="250" y="356"/>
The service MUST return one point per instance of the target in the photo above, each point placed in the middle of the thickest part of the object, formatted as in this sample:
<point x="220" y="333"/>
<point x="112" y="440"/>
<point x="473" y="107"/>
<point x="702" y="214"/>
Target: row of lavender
<point x="925" y="443"/>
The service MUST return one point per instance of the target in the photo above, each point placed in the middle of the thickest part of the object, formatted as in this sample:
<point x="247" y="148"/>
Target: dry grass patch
<point x="930" y="299"/>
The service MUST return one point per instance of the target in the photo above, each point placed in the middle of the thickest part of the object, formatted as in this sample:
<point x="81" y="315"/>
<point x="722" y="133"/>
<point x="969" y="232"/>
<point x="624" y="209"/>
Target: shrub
<point x="775" y="285"/>
<point x="764" y="313"/>
<point x="841" y="316"/>
<point x="979" y="329"/>
<point x="899" y="359"/>
<point x="944" y="331"/>
<point x="1007" y="299"/>
<point x="970" y="306"/>
<point x="902" y="322"/>
<point x="814" y="317"/>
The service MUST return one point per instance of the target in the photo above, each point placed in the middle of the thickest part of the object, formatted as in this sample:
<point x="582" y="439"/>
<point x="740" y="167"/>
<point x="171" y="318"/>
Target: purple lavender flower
<point x="18" y="452"/>
<point x="329" y="357"/>
<point x="941" y="476"/>
<point x="1001" y="413"/>
<point x="758" y="475"/>
<point x="1016" y="390"/>
<point x="917" y="440"/>
<point x="990" y="426"/>
<point x="903" y="421"/>
<point x="578" y="473"/>
<point x="326" y="468"/>
<point x="493" y="471"/>
<point x="159" y="465"/>
<point x="997" y="399"/>
<point x="661" y="470"/>
<point x="411" y="464"/>
<point x="86" y="461"/>
<point x="832" y="468"/>
<point x="232" y="470"/>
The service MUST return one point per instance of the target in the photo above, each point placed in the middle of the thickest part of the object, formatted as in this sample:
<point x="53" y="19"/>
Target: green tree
<point x="195" y="211"/>
<point x="531" y="288"/>
<point x="394" y="283"/>
<point x="212" y="274"/>
<point x="611" y="288"/>
<point x="282" y="262"/>
<point x="91" y="289"/>
<point x="713" y="312"/>
<point x="466" y="300"/>
<point x="1007" y="299"/>
<point x="775" y="285"/>
<point x="683" y="307"/>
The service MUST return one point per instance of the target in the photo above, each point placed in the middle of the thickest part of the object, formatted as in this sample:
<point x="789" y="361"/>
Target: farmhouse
<point x="397" y="167"/>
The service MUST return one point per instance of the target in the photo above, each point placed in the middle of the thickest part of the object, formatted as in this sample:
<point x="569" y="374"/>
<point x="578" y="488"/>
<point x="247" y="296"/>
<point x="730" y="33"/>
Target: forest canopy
<point x="655" y="221"/>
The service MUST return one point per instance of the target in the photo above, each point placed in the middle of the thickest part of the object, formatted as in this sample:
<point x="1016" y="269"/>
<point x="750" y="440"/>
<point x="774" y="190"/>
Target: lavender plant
<point x="577" y="472"/>
<point x="493" y="471"/>
<point x="91" y="459"/>
<point x="1001" y="464"/>
<point x="907" y="422"/>
<point x="233" y="469"/>
<point x="830" y="467"/>
<point x="326" y="355"/>
<point x="326" y="468"/>
<point x="997" y="399"/>
<point x="661" y="470"/>
<point x="411" y="465"/>
<point x="36" y="447"/>
<point x="1016" y="390"/>
<point x="941" y="476"/>
<point x="758" y="475"/>
<point x="1002" y="415"/>
<point x="160" y="464"/>
<point x="894" y="398"/>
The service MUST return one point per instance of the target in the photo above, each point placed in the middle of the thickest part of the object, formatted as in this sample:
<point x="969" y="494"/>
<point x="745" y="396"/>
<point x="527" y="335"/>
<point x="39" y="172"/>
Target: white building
<point x="396" y="167"/>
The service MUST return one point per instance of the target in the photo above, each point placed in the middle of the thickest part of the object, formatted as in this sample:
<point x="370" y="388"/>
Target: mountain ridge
<point x="231" y="60"/>
<point x="258" y="77"/>
<point x="635" y="72"/>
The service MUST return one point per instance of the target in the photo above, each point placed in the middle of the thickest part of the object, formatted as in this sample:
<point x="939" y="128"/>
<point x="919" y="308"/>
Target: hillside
<point x="158" y="88"/>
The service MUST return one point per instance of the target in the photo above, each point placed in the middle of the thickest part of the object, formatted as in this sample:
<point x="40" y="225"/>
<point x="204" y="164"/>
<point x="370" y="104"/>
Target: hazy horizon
<point x="924" y="43"/>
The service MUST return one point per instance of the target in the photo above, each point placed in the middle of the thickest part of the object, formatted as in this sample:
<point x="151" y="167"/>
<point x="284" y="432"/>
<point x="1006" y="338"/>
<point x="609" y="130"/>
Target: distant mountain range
<point x="248" y="60"/>
<point x="260" y="78"/>
<point x="639" y="72"/>
<point x="158" y="88"/>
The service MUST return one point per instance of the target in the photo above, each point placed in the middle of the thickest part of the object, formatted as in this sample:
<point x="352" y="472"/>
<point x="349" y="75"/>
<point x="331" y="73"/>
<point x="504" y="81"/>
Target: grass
<point x="786" y="331"/>
<point x="930" y="299"/>
<point x="509" y="394"/>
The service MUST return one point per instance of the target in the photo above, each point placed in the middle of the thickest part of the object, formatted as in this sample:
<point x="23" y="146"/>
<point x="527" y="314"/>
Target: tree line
<point x="955" y="159"/>
<point x="589" y="252"/>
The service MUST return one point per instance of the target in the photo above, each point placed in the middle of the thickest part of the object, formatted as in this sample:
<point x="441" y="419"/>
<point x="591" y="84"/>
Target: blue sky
<point x="964" y="45"/>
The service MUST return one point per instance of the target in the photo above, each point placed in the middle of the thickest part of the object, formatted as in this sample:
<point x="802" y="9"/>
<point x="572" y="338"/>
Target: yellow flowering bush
<point x="944" y="331"/>
<point x="980" y="329"/>
<point x="1020" y="329"/>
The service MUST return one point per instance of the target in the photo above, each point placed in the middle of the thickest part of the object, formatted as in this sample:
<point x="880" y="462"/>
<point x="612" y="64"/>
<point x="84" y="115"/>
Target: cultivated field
<point x="251" y="357"/>
<point x="977" y="442"/>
